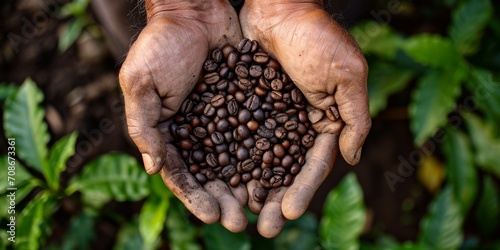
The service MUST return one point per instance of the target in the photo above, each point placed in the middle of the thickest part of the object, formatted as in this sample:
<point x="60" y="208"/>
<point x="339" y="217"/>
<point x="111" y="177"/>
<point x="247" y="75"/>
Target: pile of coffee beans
<point x="246" y="120"/>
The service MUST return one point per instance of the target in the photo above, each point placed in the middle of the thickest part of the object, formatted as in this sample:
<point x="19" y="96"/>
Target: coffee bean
<point x="276" y="85"/>
<point x="232" y="107"/>
<point x="273" y="64"/>
<point x="257" y="173"/>
<point x="210" y="65"/>
<point x="301" y="129"/>
<point x="223" y="158"/>
<point x="243" y="131"/>
<point x="226" y="50"/>
<point x="244" y="84"/>
<point x="211" y="160"/>
<point x="287" y="180"/>
<point x="244" y="116"/>
<point x="281" y="118"/>
<point x="206" y="97"/>
<point x="264" y="132"/>
<point x="255" y="71"/>
<point x="264" y="84"/>
<point x="269" y="73"/>
<point x="277" y="96"/>
<point x="246" y="177"/>
<point x="255" y="46"/>
<point x="268" y="157"/>
<point x="209" y="110"/>
<point x="260" y="58"/>
<point x="293" y="136"/>
<point x="228" y="171"/>
<point x="253" y="125"/>
<point x="233" y="121"/>
<point x="221" y="148"/>
<point x="260" y="92"/>
<point x="232" y="59"/>
<point x="200" y="132"/>
<point x="244" y="46"/>
<point x="280" y="132"/>
<point x="187" y="106"/>
<point x="308" y="141"/>
<point x="211" y="78"/>
<point x="222" y="113"/>
<point x="270" y="123"/>
<point x="290" y="125"/>
<point x="296" y="96"/>
<point x="280" y="106"/>
<point x="217" y="101"/>
<point x="279" y="171"/>
<point x="332" y="113"/>
<point x="217" y="138"/>
<point x="262" y="144"/>
<point x="198" y="156"/>
<point x="276" y="181"/>
<point x="241" y="71"/>
<point x="252" y="103"/>
<point x="217" y="55"/>
<point x="183" y="131"/>
<point x="247" y="165"/>
<point x="222" y="85"/>
<point x="249" y="142"/>
<point x="201" y="178"/>
<point x="301" y="160"/>
<point x="315" y="115"/>
<point x="224" y="72"/>
<point x="242" y="153"/>
<point x="259" y="115"/>
<point x="295" y="169"/>
<point x="278" y="150"/>
<point x="246" y="58"/>
<point x="235" y="180"/>
<point x="267" y="174"/>
<point x="259" y="194"/>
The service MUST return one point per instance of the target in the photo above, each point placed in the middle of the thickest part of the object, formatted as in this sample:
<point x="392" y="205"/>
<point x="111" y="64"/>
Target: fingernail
<point x="148" y="163"/>
<point x="357" y="156"/>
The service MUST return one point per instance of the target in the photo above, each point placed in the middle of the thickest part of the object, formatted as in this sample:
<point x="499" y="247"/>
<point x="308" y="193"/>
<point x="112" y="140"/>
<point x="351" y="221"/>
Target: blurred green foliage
<point x="453" y="81"/>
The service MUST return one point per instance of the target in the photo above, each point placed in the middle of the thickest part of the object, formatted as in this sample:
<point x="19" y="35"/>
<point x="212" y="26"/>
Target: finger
<point x="352" y="100"/>
<point x="232" y="214"/>
<point x="185" y="187"/>
<point x="319" y="163"/>
<point x="271" y="220"/>
<point x="240" y="193"/>
<point x="143" y="108"/>
<point x="254" y="206"/>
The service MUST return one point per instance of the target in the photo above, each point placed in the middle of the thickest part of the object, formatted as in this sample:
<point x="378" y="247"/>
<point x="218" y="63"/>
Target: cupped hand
<point x="327" y="65"/>
<point x="160" y="70"/>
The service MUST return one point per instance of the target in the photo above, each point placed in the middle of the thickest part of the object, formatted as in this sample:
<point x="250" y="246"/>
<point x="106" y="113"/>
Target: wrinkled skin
<point x="161" y="69"/>
<point x="328" y="67"/>
<point x="165" y="62"/>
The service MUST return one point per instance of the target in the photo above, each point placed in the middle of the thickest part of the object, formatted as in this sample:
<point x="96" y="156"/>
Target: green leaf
<point x="59" y="154"/>
<point x="486" y="92"/>
<point x="29" y="229"/>
<point x="74" y="8"/>
<point x="158" y="187"/>
<point x="71" y="32"/>
<point x="128" y="238"/>
<point x="298" y="234"/>
<point x="378" y="39"/>
<point x="21" y="193"/>
<point x="6" y="90"/>
<point x="485" y="142"/>
<point x="488" y="209"/>
<point x="17" y="171"/>
<point x="24" y="121"/>
<point x="181" y="233"/>
<point x="441" y="228"/>
<point x="112" y="176"/>
<point x="216" y="237"/>
<point x="462" y="174"/>
<point x="343" y="215"/>
<point x="433" y="50"/>
<point x="80" y="233"/>
<point x="469" y="20"/>
<point x="432" y="100"/>
<point x="384" y="80"/>
<point x="152" y="218"/>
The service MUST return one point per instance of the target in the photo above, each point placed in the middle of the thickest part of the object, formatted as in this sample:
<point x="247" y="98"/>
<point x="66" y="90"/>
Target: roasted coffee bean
<point x="209" y="110"/>
<point x="235" y="180"/>
<point x="243" y="131"/>
<point x="217" y="101"/>
<point x="232" y="59"/>
<point x="269" y="73"/>
<point x="244" y="46"/>
<point x="241" y="71"/>
<point x="253" y="125"/>
<point x="200" y="132"/>
<point x="211" y="160"/>
<point x="260" y="92"/>
<point x="200" y="178"/>
<point x="222" y="113"/>
<point x="187" y="106"/>
<point x="210" y="65"/>
<point x="195" y="168"/>
<point x="244" y="84"/>
<point x="273" y="64"/>
<point x="260" y="58"/>
<point x="226" y="50"/>
<point x="252" y="103"/>
<point x="198" y="109"/>
<point x="267" y="174"/>
<point x="293" y="136"/>
<point x="276" y="84"/>
<point x="255" y="46"/>
<point x="264" y="83"/>
<point x="198" y="156"/>
<point x="221" y="148"/>
<point x="206" y="97"/>
<point x="301" y="160"/>
<point x="259" y="194"/>
<point x="287" y="161"/>
<point x="222" y="85"/>
<point x="302" y="116"/>
<point x="280" y="106"/>
<point x="246" y="177"/>
<point x="262" y="144"/>
<point x="295" y="169"/>
<point x="278" y="150"/>
<point x="277" y="96"/>
<point x="301" y="129"/>
<point x="307" y="140"/>
<point x="228" y="171"/>
<point x="244" y="116"/>
<point x="223" y="158"/>
<point x="276" y="181"/>
<point x="247" y="165"/>
<point x="259" y="115"/>
<point x="290" y="125"/>
<point x="264" y="132"/>
<point x="242" y="153"/>
<point x="222" y="126"/>
<point x="287" y="180"/>
<point x="183" y="131"/>
<point x="315" y="115"/>
<point x="270" y="123"/>
<point x="279" y="171"/>
<point x="332" y="113"/>
<point x="211" y="78"/>
<point x="224" y="72"/>
<point x="255" y="71"/>
<point x="217" y="55"/>
<point x="257" y="173"/>
<point x="207" y="142"/>
<point x="296" y="96"/>
<point x="281" y="118"/>
<point x="249" y="142"/>
<point x="280" y="132"/>
<point x="233" y="121"/>
<point x="268" y="157"/>
<point x="217" y="138"/>
<point x="232" y="107"/>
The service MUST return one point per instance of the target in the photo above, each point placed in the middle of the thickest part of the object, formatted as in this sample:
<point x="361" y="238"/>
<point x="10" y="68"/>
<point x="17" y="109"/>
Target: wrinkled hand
<point x="160" y="70"/>
<point x="326" y="64"/>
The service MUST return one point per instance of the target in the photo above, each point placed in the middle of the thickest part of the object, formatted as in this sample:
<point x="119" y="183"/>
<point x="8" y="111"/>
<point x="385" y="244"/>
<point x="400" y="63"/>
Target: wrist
<point x="192" y="9"/>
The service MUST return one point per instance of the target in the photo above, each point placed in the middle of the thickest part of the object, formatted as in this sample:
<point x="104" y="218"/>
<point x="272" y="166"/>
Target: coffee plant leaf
<point x="433" y="50"/>
<point x="129" y="238"/>
<point x="486" y="143"/>
<point x="80" y="233"/>
<point x="158" y="187"/>
<point x="71" y="32"/>
<point x="152" y="218"/>
<point x="441" y="228"/>
<point x="216" y="237"/>
<point x="485" y="92"/>
<point x="343" y="215"/>
<point x="462" y="175"/>
<point x="59" y="154"/>
<point x="487" y="214"/>
<point x="468" y="22"/>
<point x="6" y="90"/>
<point x="24" y="121"/>
<point x="377" y="39"/>
<point x="298" y="234"/>
<point x="29" y="231"/>
<point x="112" y="176"/>
<point x="182" y="234"/>
<point x="384" y="80"/>
<point x="432" y="100"/>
